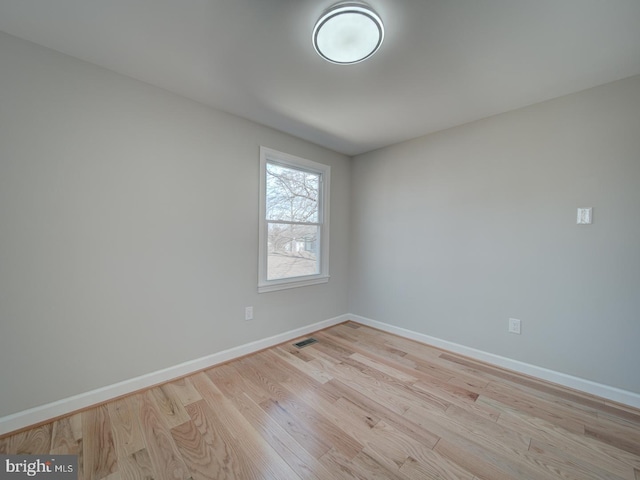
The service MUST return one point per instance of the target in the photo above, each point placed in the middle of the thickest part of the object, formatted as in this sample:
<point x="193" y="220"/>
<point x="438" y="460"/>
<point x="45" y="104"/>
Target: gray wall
<point x="128" y="220"/>
<point x="455" y="232"/>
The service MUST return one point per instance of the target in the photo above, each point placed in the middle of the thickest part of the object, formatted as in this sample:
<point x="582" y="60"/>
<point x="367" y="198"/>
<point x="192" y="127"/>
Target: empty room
<point x="277" y="239"/>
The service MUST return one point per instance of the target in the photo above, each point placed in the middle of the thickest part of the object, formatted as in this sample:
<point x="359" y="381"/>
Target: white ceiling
<point x="443" y="62"/>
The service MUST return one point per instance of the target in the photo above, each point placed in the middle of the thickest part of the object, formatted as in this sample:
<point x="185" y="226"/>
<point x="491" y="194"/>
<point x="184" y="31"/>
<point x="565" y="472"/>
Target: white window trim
<point x="264" y="285"/>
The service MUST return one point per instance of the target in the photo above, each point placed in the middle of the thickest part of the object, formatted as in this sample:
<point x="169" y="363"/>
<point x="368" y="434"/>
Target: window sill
<point x="288" y="283"/>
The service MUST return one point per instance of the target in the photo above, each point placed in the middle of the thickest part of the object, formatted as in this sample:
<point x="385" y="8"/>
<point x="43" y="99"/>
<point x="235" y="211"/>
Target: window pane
<point x="292" y="195"/>
<point x="292" y="251"/>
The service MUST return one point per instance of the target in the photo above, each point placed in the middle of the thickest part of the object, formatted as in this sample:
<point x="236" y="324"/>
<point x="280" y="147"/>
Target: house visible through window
<point x="294" y="230"/>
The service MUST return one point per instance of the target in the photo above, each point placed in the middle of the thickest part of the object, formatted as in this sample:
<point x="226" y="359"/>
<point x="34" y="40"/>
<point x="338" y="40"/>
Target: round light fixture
<point x="348" y="32"/>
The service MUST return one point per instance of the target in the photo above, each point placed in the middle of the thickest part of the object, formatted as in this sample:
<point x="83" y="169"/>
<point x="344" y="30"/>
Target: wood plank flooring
<point x="359" y="404"/>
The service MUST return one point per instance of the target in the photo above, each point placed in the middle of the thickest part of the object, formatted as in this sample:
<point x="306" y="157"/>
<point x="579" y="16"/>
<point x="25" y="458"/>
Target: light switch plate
<point x="585" y="215"/>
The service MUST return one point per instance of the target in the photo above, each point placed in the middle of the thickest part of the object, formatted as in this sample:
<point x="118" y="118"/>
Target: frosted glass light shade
<point x="348" y="33"/>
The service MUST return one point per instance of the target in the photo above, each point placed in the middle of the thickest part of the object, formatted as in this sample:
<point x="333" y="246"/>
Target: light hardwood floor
<point x="361" y="404"/>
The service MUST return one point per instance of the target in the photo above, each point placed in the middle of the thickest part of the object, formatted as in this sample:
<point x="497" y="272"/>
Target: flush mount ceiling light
<point x="348" y="32"/>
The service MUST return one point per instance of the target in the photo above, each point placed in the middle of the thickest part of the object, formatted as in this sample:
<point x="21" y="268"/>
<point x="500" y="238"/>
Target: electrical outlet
<point x="514" y="325"/>
<point x="585" y="215"/>
<point x="248" y="313"/>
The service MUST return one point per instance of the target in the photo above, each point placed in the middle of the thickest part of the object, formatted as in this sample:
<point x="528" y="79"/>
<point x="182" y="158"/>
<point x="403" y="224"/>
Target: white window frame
<point x="268" y="155"/>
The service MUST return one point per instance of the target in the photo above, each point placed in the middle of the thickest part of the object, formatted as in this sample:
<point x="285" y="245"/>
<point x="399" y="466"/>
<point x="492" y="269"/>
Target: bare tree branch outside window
<point x="293" y="221"/>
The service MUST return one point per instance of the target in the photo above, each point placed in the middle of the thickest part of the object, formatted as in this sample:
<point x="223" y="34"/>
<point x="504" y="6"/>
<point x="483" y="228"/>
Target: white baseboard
<point x="42" y="413"/>
<point x="604" y="391"/>
<point x="33" y="416"/>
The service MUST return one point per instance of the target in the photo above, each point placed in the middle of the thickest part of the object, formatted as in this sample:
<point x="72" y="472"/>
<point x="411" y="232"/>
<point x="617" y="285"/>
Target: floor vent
<point x="304" y="343"/>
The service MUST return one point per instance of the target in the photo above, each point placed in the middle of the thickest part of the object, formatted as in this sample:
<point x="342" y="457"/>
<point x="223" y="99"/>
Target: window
<point x="294" y="221"/>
